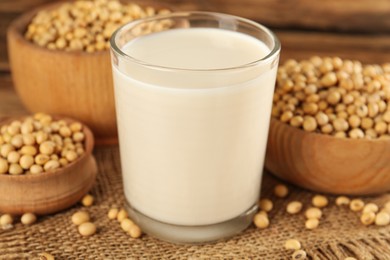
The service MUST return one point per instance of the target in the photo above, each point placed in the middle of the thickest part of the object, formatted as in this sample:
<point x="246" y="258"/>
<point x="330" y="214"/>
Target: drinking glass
<point x="193" y="139"/>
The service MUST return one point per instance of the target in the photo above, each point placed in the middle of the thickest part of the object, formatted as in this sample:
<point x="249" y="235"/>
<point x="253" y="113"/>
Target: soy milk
<point x="193" y="116"/>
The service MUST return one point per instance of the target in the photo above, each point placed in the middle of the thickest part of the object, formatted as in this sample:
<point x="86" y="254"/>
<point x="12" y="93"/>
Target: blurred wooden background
<point x="355" y="29"/>
<point x="358" y="29"/>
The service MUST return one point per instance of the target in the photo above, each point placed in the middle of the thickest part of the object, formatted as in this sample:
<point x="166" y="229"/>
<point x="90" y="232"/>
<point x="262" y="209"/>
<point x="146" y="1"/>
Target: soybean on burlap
<point x="339" y="235"/>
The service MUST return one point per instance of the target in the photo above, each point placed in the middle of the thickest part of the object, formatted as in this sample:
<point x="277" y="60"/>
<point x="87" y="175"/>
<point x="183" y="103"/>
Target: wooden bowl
<point x="50" y="191"/>
<point x="75" y="84"/>
<point x="328" y="164"/>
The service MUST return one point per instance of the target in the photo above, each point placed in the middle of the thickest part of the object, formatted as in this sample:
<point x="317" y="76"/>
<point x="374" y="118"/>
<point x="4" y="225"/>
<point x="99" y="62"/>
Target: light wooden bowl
<point x="328" y="164"/>
<point x="74" y="84"/>
<point x="50" y="191"/>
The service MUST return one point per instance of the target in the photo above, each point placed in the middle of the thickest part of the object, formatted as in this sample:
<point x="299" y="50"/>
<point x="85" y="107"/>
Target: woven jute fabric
<point x="339" y="235"/>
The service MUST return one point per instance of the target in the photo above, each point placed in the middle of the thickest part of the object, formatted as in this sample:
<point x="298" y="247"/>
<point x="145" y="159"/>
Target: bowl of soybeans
<point x="60" y="52"/>
<point x="330" y="126"/>
<point x="46" y="163"/>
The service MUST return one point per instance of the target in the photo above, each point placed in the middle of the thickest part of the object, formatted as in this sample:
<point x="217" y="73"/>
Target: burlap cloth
<point x="339" y="235"/>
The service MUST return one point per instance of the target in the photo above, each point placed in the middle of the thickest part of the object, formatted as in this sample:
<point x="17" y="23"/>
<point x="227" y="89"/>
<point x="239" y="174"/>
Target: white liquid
<point x="192" y="143"/>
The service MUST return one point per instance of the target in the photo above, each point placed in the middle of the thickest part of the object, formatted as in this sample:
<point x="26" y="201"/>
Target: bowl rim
<point x="325" y="136"/>
<point x="19" y="25"/>
<point x="88" y="146"/>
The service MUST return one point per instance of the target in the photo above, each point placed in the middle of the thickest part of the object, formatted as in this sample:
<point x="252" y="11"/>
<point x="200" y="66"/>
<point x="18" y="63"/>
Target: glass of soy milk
<point x="193" y="97"/>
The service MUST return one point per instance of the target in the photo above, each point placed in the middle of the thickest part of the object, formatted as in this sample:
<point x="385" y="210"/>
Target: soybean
<point x="87" y="229"/>
<point x="28" y="219"/>
<point x="87" y="200"/>
<point x="266" y="205"/>
<point x="281" y="191"/>
<point x="292" y="244"/>
<point x="80" y="217"/>
<point x="294" y="207"/>
<point x="319" y="201"/>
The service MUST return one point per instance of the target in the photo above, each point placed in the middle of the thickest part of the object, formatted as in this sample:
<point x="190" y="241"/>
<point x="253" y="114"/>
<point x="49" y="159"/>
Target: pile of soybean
<point x="87" y="25"/>
<point x="39" y="143"/>
<point x="332" y="96"/>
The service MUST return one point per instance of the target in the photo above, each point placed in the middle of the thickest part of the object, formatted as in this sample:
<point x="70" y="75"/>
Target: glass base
<point x="192" y="234"/>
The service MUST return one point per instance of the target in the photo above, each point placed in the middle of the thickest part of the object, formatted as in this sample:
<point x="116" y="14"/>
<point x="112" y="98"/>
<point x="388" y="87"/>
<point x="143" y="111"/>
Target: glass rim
<point x="264" y="60"/>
